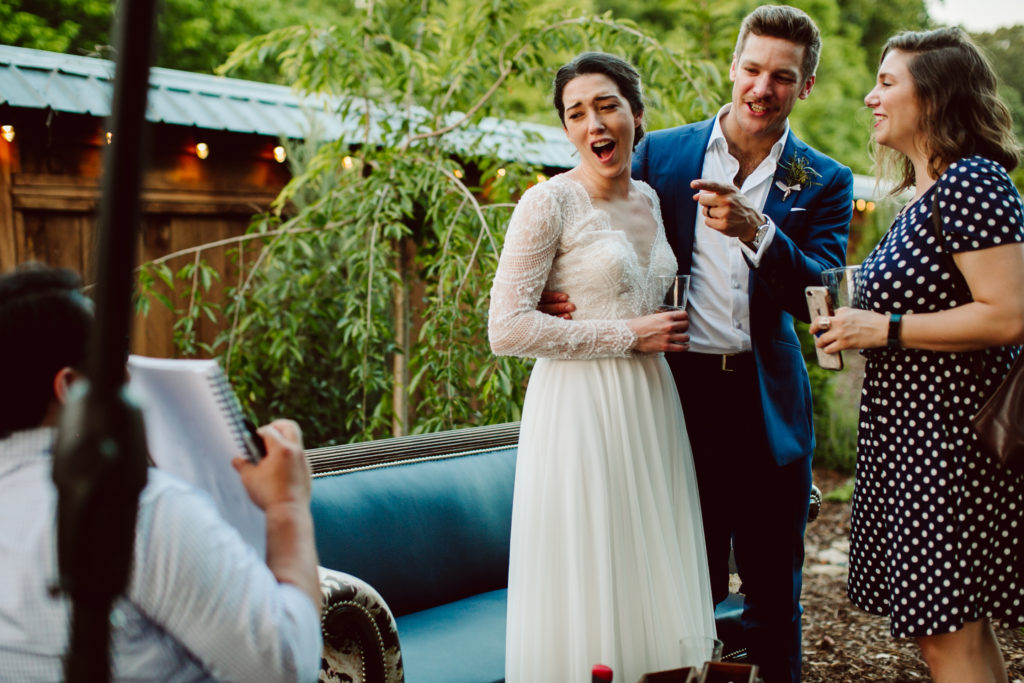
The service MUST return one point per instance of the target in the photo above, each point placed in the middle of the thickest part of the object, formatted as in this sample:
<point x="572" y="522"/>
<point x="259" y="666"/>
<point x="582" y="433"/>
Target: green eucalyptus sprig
<point x="799" y="174"/>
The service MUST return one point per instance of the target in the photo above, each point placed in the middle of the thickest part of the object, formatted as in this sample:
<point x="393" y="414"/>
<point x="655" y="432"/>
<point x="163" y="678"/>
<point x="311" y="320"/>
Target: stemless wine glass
<point x="677" y="290"/>
<point x="842" y="284"/>
<point x="696" y="650"/>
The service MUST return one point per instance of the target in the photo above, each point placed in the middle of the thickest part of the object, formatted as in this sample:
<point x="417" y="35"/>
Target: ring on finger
<point x="825" y="324"/>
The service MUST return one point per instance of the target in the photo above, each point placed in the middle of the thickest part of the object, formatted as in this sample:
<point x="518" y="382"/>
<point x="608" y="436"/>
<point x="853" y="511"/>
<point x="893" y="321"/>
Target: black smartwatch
<point x="895" y="322"/>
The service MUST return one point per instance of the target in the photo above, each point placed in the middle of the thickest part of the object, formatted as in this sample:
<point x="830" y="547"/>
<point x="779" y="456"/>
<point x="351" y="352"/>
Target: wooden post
<point x="8" y="164"/>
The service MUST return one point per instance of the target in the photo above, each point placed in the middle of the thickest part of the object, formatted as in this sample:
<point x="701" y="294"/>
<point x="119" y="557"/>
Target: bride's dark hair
<point x="619" y="70"/>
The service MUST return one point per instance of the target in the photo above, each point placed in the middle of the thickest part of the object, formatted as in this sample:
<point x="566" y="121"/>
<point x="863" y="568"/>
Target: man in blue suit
<point x="768" y="215"/>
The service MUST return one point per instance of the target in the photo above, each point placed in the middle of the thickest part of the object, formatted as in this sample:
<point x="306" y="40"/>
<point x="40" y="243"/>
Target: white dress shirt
<point x="719" y="301"/>
<point x="200" y="605"/>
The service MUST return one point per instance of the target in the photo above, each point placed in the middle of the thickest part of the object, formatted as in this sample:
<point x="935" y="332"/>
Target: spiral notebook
<point x="194" y="427"/>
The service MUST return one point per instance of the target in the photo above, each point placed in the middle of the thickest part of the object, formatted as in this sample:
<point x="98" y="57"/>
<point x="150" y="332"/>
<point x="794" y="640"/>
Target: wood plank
<point x="46" y="192"/>
<point x="8" y="248"/>
<point x="153" y="334"/>
<point x="333" y="460"/>
<point x="53" y="239"/>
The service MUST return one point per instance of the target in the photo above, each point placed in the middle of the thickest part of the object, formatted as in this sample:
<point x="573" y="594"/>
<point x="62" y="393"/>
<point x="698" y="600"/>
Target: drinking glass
<point x="677" y="290"/>
<point x="842" y="284"/>
<point x="696" y="650"/>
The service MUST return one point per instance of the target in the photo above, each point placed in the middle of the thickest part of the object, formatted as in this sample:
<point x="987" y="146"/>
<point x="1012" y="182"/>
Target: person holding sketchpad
<point x="201" y="604"/>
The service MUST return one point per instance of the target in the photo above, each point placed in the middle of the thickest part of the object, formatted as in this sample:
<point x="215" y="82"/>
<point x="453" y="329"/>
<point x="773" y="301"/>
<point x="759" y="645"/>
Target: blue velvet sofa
<point x="413" y="536"/>
<point x="425" y="521"/>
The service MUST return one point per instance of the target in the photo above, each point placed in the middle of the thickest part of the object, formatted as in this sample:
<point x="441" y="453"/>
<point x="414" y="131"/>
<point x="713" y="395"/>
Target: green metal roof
<point x="84" y="85"/>
<point x="37" y="79"/>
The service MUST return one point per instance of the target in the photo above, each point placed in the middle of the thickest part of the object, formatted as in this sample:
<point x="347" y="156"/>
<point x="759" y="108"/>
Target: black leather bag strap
<point x="940" y="239"/>
<point x="937" y="226"/>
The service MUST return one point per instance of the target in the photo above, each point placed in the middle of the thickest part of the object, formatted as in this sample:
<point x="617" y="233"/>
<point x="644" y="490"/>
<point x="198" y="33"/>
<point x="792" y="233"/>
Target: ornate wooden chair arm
<point x="360" y="637"/>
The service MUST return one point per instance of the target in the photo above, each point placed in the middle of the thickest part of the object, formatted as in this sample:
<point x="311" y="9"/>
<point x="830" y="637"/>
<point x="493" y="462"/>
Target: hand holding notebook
<point x="194" y="427"/>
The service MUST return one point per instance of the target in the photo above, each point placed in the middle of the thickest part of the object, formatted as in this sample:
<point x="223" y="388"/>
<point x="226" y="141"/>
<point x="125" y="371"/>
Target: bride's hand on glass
<point x="665" y="331"/>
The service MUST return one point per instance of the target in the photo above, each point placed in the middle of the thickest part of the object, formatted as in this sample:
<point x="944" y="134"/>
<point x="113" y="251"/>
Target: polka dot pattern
<point x="937" y="526"/>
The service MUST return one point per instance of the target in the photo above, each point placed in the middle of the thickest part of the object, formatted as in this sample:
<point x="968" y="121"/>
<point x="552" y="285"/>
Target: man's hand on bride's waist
<point x="556" y="304"/>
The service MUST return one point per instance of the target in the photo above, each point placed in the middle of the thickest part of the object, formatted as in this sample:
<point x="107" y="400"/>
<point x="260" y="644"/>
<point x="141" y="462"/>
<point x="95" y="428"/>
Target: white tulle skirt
<point x="607" y="559"/>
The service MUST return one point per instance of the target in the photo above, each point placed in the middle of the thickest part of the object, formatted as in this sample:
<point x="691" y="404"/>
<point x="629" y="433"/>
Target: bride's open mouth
<point x="603" y="150"/>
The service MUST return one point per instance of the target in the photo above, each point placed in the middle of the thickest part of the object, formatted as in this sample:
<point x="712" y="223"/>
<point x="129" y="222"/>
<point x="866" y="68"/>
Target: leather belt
<point x="723" y="362"/>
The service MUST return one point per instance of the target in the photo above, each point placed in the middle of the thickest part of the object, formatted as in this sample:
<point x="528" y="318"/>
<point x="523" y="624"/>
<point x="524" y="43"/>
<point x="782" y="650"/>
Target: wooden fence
<point x="50" y="190"/>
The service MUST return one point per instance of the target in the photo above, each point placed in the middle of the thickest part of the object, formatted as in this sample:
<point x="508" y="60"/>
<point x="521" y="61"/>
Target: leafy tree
<point x="365" y="309"/>
<point x="872" y="22"/>
<point x="192" y="35"/>
<point x="55" y="25"/>
<point x="1005" y="49"/>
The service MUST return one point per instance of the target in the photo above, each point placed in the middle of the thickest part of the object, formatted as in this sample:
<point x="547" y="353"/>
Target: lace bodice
<point x="557" y="240"/>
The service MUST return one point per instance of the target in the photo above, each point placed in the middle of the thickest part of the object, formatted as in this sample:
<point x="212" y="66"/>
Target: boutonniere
<point x="799" y="174"/>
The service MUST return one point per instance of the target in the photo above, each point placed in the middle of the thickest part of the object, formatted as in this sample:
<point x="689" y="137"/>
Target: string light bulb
<point x="457" y="173"/>
<point x="501" y="173"/>
<point x="861" y="204"/>
<point x="202" y="150"/>
<point x="7" y="132"/>
<point x="347" y="162"/>
<point x="110" y="137"/>
<point x="279" y="154"/>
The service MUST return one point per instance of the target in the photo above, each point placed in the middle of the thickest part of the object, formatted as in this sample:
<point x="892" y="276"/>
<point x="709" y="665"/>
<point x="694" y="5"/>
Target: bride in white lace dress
<point x="607" y="560"/>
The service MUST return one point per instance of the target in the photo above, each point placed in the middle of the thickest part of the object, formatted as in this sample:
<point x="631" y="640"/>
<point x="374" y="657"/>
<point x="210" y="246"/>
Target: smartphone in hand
<point x="819" y="304"/>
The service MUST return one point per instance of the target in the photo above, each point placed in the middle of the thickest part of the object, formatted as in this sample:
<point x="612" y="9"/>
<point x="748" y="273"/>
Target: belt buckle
<point x="725" y="362"/>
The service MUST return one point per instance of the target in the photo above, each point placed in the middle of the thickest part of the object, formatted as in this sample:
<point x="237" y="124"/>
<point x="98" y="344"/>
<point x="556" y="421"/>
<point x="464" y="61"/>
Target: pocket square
<point x="795" y="209"/>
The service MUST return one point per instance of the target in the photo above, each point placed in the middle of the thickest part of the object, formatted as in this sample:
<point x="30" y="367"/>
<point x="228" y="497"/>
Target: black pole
<point x="99" y="462"/>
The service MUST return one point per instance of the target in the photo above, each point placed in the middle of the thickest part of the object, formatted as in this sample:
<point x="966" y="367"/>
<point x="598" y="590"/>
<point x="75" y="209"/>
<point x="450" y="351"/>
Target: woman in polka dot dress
<point x="937" y="537"/>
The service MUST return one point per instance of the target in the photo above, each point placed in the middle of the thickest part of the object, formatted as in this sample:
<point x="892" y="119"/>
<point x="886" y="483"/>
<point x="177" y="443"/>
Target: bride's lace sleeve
<point x="515" y="326"/>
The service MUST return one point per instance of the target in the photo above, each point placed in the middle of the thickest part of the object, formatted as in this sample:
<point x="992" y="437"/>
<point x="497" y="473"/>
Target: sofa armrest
<point x="360" y="636"/>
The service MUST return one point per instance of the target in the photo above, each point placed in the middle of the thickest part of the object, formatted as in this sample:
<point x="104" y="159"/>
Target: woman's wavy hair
<point x="961" y="111"/>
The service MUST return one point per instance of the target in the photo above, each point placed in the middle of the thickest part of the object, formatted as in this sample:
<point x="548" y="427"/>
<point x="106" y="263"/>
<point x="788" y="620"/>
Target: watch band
<point x="762" y="230"/>
<point x="895" y="323"/>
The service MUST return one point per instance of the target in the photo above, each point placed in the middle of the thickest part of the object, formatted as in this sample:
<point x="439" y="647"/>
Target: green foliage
<point x="835" y="409"/>
<point x="192" y="35"/>
<point x="872" y="22"/>
<point x="56" y="25"/>
<point x="841" y="494"/>
<point x="365" y="312"/>
<point x="1005" y="49"/>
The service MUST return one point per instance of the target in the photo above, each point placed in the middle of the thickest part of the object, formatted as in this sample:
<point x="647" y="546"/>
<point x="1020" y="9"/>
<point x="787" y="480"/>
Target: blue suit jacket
<point x="812" y="226"/>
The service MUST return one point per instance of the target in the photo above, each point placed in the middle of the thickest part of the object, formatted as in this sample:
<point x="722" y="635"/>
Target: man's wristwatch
<point x="895" y="321"/>
<point x="762" y="230"/>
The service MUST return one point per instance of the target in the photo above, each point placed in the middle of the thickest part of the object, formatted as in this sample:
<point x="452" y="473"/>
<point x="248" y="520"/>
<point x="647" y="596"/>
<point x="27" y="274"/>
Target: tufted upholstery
<point x="360" y="636"/>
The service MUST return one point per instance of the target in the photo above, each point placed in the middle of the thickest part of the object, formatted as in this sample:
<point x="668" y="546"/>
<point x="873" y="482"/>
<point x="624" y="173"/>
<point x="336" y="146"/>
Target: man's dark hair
<point x="619" y="70"/>
<point x="787" y="23"/>
<point x="44" y="326"/>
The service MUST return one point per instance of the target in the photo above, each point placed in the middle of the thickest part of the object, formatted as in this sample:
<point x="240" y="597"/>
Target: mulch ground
<point x="843" y="644"/>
